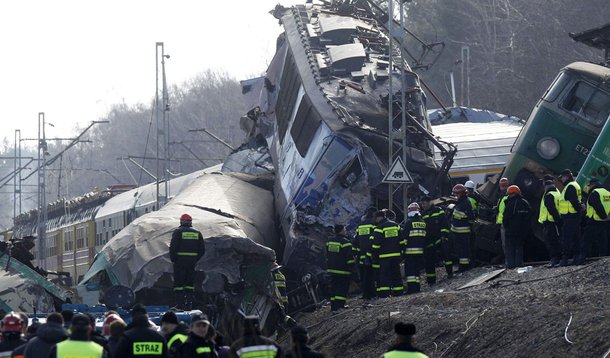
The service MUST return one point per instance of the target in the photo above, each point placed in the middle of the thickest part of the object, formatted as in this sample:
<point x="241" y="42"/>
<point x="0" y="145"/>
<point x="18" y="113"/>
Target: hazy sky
<point x="74" y="59"/>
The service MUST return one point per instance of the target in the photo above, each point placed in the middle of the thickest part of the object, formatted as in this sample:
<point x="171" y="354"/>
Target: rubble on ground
<point x="513" y="315"/>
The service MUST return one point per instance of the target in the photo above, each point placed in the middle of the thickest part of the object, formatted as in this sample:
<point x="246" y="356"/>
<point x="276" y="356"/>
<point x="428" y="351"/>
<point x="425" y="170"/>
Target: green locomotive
<point x="562" y="127"/>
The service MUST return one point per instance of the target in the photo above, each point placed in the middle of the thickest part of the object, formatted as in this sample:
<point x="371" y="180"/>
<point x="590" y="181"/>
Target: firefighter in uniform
<point x="460" y="225"/>
<point x="598" y="207"/>
<point x="253" y="344"/>
<point x="437" y="232"/>
<point x="198" y="343"/>
<point x="387" y="250"/>
<point x="549" y="217"/>
<point x="185" y="249"/>
<point x="503" y="184"/>
<point x="79" y="344"/>
<point x="570" y="210"/>
<point x="280" y="283"/>
<point x="12" y="329"/>
<point x="362" y="247"/>
<point x="140" y="340"/>
<point x="414" y="230"/>
<point x="517" y="226"/>
<point x="339" y="263"/>
<point x="473" y="196"/>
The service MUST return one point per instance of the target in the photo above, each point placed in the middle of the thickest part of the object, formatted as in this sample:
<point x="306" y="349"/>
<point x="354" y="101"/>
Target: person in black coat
<point x="47" y="336"/>
<point x="140" y="340"/>
<point x="517" y="225"/>
<point x="185" y="250"/>
<point x="198" y="344"/>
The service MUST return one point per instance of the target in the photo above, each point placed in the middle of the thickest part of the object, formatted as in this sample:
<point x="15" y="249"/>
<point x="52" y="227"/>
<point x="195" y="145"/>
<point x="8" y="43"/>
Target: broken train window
<point x="305" y="125"/>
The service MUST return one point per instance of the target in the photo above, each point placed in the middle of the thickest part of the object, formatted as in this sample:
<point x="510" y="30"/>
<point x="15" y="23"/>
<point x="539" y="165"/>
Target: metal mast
<point x="42" y="192"/>
<point x="162" y="120"/>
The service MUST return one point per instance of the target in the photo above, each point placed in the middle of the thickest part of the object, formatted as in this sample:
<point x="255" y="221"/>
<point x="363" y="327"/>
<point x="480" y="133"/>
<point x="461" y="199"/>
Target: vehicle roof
<point x="589" y="69"/>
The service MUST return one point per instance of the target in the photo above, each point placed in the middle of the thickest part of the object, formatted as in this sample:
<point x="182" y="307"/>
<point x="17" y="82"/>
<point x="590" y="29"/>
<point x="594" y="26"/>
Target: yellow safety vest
<point x="565" y="207"/>
<point x="501" y="207"/>
<point x="604" y="196"/>
<point x="544" y="212"/>
<point x="403" y="354"/>
<point x="79" y="349"/>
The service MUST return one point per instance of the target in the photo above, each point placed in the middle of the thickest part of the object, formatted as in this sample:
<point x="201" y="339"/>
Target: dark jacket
<point x="303" y="352"/>
<point x="364" y="239"/>
<point x="10" y="342"/>
<point x="255" y="340"/>
<point x="194" y="343"/>
<point x="517" y="215"/>
<point x="181" y="328"/>
<point x="113" y="344"/>
<point x="571" y="195"/>
<point x="47" y="336"/>
<point x="339" y="256"/>
<point x="141" y="333"/>
<point x="415" y="235"/>
<point x="187" y="246"/>
<point x="595" y="201"/>
<point x="462" y="215"/>
<point x="388" y="241"/>
<point x="437" y="226"/>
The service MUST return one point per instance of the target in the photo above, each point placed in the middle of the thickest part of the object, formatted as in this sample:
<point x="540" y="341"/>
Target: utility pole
<point x="162" y="120"/>
<point x="42" y="192"/>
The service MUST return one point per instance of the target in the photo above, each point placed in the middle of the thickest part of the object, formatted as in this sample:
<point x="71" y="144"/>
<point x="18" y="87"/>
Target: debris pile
<point x="556" y="312"/>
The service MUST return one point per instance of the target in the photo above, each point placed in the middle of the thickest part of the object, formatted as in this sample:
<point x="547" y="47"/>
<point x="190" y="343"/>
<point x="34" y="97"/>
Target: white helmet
<point x="470" y="185"/>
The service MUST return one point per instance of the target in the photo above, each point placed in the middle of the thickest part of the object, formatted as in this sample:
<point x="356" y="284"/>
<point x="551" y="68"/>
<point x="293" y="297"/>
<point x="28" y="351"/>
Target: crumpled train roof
<point x="234" y="216"/>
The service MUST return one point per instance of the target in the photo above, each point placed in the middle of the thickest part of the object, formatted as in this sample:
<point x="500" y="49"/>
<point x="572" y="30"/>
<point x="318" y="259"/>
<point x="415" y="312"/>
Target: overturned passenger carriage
<point x="323" y="109"/>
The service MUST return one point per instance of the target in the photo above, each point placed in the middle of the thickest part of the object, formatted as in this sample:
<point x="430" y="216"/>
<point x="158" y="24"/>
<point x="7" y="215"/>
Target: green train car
<point x="562" y="127"/>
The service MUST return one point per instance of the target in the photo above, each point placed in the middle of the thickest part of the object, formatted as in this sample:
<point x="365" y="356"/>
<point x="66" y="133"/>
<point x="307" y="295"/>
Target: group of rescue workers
<point x="380" y="244"/>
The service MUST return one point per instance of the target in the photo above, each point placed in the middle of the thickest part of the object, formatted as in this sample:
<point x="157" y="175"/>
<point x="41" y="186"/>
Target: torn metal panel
<point x="23" y="289"/>
<point x="482" y="279"/>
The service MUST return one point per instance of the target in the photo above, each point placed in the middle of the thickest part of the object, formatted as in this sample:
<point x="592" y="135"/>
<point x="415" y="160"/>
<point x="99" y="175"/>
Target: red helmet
<point x="12" y="323"/>
<point x="108" y="321"/>
<point x="459" y="190"/>
<point x="503" y="183"/>
<point x="186" y="217"/>
<point x="513" y="189"/>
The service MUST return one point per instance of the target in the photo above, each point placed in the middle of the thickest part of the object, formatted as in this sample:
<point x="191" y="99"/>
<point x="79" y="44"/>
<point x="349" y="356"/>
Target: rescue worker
<point x="280" y="283"/>
<point x="79" y="344"/>
<point x="503" y="184"/>
<point x="49" y="334"/>
<point x="517" y="225"/>
<point x="12" y="329"/>
<point x="549" y="217"/>
<point x="362" y="247"/>
<point x="198" y="344"/>
<point x="339" y="263"/>
<point x="253" y="344"/>
<point x="388" y="249"/>
<point x="437" y="232"/>
<point x="140" y="340"/>
<point x="175" y="332"/>
<point x="185" y="250"/>
<point x="414" y="230"/>
<point x="596" y="230"/>
<point x="570" y="209"/>
<point x="299" y="348"/>
<point x="460" y="225"/>
<point x="403" y="345"/>
<point x="473" y="196"/>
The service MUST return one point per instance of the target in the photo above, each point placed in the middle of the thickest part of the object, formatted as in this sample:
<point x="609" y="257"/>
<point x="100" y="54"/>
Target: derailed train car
<point x="323" y="108"/>
<point x="232" y="211"/>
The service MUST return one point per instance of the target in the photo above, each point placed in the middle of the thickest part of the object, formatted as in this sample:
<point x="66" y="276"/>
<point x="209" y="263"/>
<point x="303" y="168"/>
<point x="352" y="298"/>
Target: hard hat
<point x="503" y="183"/>
<point x="12" y="323"/>
<point x="459" y="189"/>
<point x="186" y="217"/>
<point x="470" y="185"/>
<point x="413" y="207"/>
<point x="513" y="189"/>
<point x="108" y="321"/>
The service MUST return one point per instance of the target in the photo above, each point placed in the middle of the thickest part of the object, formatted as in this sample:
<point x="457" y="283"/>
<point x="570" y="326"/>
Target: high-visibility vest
<point x="544" y="215"/>
<point x="258" y="351"/>
<point x="403" y="354"/>
<point x="475" y="205"/>
<point x="565" y="206"/>
<point x="604" y="196"/>
<point x="501" y="207"/>
<point x="79" y="349"/>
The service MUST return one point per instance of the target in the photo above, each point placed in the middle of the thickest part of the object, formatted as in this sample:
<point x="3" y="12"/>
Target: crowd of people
<point x="429" y="234"/>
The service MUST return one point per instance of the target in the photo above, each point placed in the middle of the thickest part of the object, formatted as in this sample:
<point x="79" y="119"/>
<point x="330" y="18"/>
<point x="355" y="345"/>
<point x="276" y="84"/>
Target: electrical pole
<point x="162" y="121"/>
<point x="42" y="192"/>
